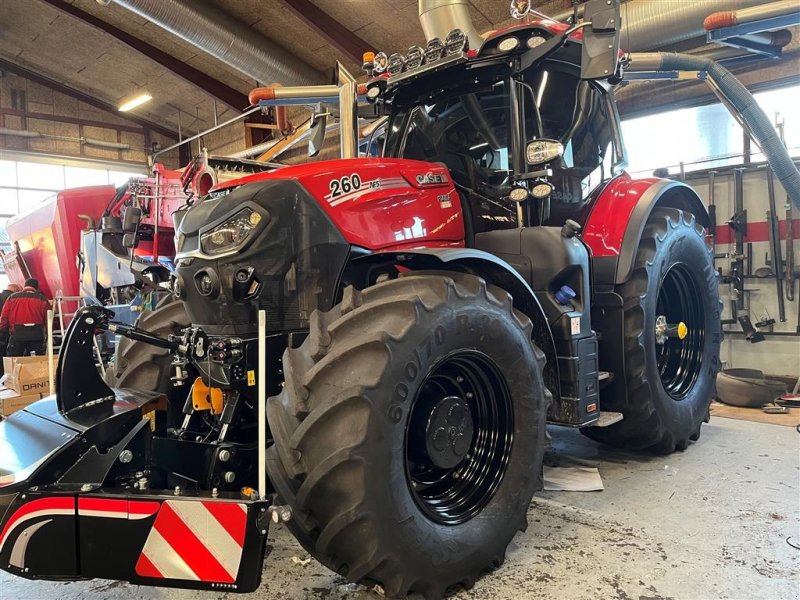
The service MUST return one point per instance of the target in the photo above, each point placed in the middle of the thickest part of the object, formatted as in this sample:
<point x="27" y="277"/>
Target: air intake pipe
<point x="440" y="17"/>
<point x="738" y="100"/>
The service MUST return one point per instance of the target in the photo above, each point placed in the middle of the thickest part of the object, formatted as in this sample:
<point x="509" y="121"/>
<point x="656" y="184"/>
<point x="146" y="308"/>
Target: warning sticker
<point x="575" y="323"/>
<point x="251" y="378"/>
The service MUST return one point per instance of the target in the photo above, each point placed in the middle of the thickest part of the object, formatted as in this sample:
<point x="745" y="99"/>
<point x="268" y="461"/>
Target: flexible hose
<point x="745" y="106"/>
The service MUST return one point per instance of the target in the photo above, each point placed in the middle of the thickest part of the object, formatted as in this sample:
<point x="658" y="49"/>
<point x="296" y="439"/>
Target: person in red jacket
<point x="23" y="320"/>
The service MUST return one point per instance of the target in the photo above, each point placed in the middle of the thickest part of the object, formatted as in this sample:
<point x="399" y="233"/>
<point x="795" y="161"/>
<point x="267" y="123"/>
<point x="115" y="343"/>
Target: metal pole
<point x="157" y="216"/>
<point x="50" y="367"/>
<point x="348" y="126"/>
<point x="262" y="404"/>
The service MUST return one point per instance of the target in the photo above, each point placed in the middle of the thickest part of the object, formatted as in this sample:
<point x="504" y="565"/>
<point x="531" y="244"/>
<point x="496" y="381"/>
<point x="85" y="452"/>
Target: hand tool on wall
<point x="775" y="244"/>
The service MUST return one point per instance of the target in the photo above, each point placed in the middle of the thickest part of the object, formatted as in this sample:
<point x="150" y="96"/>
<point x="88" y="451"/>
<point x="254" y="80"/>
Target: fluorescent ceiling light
<point x="134" y="101"/>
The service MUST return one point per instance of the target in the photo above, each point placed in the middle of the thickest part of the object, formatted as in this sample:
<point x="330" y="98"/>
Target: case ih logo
<point x="431" y="179"/>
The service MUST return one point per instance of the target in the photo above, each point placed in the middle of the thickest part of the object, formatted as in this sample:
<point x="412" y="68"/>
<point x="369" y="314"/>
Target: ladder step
<point x="608" y="418"/>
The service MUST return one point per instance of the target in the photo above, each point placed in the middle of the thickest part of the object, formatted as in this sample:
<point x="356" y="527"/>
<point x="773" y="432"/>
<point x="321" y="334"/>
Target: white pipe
<point x="348" y="121"/>
<point x="50" y="366"/>
<point x="262" y="404"/>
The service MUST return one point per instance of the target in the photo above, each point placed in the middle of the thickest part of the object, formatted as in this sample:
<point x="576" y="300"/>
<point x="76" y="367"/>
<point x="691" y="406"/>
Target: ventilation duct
<point x="440" y="17"/>
<point x="651" y="24"/>
<point x="224" y="38"/>
<point x="81" y="140"/>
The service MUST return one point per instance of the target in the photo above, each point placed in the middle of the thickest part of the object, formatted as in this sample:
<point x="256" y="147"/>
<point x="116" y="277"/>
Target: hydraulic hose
<point x="739" y="101"/>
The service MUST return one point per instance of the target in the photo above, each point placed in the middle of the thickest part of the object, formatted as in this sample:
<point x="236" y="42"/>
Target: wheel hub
<point x="665" y="330"/>
<point x="448" y="433"/>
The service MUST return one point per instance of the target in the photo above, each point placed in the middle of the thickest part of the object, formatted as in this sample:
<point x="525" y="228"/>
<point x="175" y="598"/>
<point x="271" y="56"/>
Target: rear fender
<point x="361" y="272"/>
<point x="617" y="217"/>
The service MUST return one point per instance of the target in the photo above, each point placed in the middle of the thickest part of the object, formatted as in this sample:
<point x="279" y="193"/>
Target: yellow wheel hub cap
<point x="682" y="330"/>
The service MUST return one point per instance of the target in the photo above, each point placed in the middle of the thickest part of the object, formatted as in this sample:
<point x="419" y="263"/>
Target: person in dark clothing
<point x="12" y="288"/>
<point x="23" y="320"/>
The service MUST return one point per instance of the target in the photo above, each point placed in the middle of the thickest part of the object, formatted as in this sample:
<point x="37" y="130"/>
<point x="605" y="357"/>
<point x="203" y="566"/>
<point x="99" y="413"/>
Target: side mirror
<point x="319" y="123"/>
<point x="600" y="51"/>
<point x="131" y="218"/>
<point x="539" y="152"/>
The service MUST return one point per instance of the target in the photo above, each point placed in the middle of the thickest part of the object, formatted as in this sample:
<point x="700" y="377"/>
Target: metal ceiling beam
<point x="208" y="84"/>
<point x="333" y="32"/>
<point x="6" y="65"/>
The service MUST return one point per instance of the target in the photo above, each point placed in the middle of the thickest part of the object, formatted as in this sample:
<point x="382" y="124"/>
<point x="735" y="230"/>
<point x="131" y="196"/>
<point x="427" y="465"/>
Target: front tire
<point x="409" y="435"/>
<point x="141" y="366"/>
<point x="669" y="385"/>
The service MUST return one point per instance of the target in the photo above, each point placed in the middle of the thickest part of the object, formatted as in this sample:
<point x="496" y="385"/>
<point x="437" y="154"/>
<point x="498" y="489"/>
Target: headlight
<point x="456" y="42"/>
<point x="395" y="64"/>
<point x="508" y="44"/>
<point x="414" y="57"/>
<point x="230" y="234"/>
<point x="379" y="63"/>
<point x="434" y="50"/>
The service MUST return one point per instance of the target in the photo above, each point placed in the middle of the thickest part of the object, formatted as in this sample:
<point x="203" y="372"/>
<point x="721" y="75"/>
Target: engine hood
<point x="376" y="203"/>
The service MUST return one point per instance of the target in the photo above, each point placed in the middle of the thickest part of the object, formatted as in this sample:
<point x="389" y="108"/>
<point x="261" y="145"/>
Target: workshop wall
<point x="777" y="354"/>
<point x="29" y="106"/>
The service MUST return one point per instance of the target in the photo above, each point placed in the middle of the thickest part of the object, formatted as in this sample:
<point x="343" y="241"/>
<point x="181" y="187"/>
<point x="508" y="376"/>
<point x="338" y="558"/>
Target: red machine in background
<point x="47" y="239"/>
<point x="73" y="242"/>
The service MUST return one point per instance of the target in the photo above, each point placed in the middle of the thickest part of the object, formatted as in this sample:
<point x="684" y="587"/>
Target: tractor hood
<point x="377" y="203"/>
<point x="279" y="241"/>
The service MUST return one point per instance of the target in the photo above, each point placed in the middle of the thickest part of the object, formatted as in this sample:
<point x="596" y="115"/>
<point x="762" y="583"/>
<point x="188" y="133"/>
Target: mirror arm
<point x="546" y="172"/>
<point x="542" y="51"/>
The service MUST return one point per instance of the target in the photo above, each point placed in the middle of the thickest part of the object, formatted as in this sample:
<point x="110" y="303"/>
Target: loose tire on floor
<point x="669" y="387"/>
<point x="346" y="449"/>
<point x="142" y="366"/>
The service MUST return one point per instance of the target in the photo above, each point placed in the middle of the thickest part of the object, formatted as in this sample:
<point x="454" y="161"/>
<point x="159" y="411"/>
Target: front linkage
<point x="86" y="483"/>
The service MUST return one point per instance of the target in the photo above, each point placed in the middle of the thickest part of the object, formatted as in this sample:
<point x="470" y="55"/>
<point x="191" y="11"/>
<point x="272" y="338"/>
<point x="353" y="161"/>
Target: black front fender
<point x="477" y="262"/>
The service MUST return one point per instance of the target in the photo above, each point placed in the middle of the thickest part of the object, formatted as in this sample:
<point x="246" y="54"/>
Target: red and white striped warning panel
<point x="195" y="541"/>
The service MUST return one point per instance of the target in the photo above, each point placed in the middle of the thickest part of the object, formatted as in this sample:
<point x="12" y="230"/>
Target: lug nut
<point x="230" y="477"/>
<point x="125" y="457"/>
<point x="224" y="456"/>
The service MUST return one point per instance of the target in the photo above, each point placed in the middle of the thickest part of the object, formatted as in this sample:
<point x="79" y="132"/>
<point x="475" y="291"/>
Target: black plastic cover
<point x="289" y="267"/>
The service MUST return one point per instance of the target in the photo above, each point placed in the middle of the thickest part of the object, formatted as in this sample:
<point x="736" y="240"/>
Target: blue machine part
<point x="565" y="295"/>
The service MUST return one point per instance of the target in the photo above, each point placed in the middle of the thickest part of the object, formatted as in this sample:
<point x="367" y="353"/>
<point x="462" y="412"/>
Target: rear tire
<point x="350" y="454"/>
<point x="670" y="386"/>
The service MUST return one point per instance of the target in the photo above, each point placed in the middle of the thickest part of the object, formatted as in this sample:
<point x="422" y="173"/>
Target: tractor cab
<point x="526" y="134"/>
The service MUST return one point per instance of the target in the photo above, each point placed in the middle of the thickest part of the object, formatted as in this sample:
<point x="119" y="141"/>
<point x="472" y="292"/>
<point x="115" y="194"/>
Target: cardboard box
<point x="27" y="374"/>
<point x="11" y="401"/>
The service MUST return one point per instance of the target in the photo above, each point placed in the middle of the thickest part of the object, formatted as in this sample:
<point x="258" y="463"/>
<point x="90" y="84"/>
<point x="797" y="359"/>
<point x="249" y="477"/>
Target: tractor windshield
<point x="467" y="132"/>
<point x="468" y="128"/>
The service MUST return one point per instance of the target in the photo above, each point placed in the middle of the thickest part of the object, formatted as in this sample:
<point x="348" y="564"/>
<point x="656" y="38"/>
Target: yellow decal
<point x="251" y="378"/>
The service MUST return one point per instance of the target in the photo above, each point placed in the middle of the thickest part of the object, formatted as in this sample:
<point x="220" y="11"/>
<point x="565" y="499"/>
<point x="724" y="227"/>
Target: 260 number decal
<point x="345" y="185"/>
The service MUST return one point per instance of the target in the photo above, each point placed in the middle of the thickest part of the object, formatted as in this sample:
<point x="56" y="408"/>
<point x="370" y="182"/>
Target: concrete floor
<point x="711" y="522"/>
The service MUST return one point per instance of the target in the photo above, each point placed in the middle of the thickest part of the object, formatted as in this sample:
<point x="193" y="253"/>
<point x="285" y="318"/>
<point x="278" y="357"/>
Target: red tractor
<point x="416" y="320"/>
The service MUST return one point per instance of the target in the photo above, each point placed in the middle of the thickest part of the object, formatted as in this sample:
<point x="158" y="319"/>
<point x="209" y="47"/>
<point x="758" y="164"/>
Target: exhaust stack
<point x="440" y="17"/>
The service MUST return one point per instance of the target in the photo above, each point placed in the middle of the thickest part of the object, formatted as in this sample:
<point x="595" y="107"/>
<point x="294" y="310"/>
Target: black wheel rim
<point x="459" y="437"/>
<point x="679" y="360"/>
